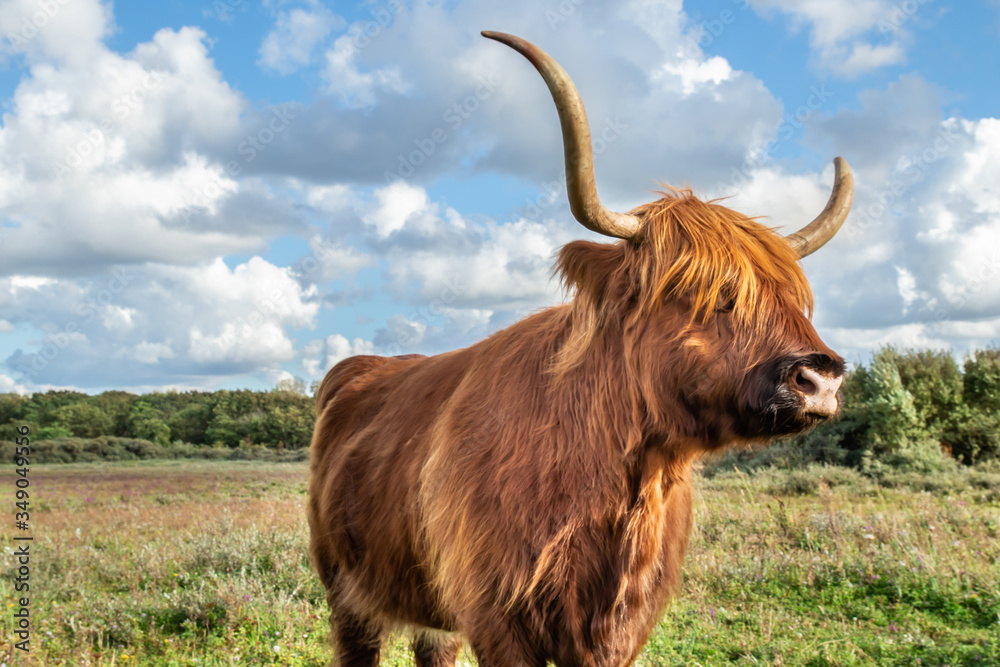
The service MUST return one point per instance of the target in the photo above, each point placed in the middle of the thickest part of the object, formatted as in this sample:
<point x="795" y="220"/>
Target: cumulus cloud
<point x="416" y="201"/>
<point x="394" y="205"/>
<point x="135" y="325"/>
<point x="849" y="37"/>
<point x="922" y="241"/>
<point x="352" y="87"/>
<point x="58" y="31"/>
<point x="295" y="37"/>
<point x="9" y="385"/>
<point x="116" y="158"/>
<point x="323" y="354"/>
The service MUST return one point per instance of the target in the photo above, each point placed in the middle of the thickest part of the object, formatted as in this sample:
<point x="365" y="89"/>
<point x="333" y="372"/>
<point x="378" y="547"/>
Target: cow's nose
<point x="819" y="392"/>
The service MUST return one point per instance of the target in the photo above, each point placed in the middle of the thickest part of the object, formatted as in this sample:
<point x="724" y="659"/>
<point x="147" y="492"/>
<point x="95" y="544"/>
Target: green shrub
<point x="90" y="450"/>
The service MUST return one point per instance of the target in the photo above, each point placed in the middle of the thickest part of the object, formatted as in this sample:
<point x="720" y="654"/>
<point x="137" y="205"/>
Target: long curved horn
<point x="580" y="184"/>
<point x="811" y="238"/>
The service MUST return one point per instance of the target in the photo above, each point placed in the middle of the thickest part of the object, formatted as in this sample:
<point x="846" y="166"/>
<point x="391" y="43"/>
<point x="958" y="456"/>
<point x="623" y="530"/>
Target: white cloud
<point x="839" y="30"/>
<point x="187" y="321"/>
<point x="116" y="317"/>
<point x="319" y="356"/>
<point x="329" y="198"/>
<point x="107" y="160"/>
<point x="918" y="261"/>
<point x="510" y="267"/>
<point x="695" y="74"/>
<point x="334" y="261"/>
<point x="61" y="30"/>
<point x="907" y="286"/>
<point x="29" y="282"/>
<point x="240" y="344"/>
<point x="352" y="87"/>
<point x="152" y="192"/>
<point x="295" y="37"/>
<point x="861" y="57"/>
<point x="151" y="353"/>
<point x="394" y="205"/>
<point x="856" y="344"/>
<point x="979" y="178"/>
<point x="250" y="306"/>
<point x="9" y="385"/>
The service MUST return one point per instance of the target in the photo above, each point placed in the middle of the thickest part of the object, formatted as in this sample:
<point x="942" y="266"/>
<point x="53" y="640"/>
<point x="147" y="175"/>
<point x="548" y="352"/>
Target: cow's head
<point x="710" y="307"/>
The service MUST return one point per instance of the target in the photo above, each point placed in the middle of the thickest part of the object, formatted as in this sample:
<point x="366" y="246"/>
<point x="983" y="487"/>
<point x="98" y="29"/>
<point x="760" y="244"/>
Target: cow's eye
<point x="724" y="306"/>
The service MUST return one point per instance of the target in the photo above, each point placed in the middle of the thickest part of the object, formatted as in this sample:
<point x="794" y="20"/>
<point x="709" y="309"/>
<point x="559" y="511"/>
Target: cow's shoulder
<point x="353" y="373"/>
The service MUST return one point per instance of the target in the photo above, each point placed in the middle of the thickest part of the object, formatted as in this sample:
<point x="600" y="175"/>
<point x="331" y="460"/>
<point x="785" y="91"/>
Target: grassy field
<point x="202" y="563"/>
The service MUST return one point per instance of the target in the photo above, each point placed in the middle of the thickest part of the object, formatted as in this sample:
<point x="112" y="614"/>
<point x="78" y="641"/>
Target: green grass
<point x="205" y="563"/>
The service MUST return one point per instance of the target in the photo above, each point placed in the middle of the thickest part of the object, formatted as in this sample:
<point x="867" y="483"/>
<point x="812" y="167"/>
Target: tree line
<point x="912" y="409"/>
<point x="281" y="418"/>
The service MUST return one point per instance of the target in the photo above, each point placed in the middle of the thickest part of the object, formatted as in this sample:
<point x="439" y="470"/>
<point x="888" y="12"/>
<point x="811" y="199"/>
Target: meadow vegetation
<point x="170" y="531"/>
<point x="205" y="563"/>
<point x="917" y="411"/>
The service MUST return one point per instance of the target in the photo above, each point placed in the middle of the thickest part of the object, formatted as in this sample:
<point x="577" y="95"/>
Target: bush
<point x="975" y="436"/>
<point x="90" y="450"/>
<point x="85" y="450"/>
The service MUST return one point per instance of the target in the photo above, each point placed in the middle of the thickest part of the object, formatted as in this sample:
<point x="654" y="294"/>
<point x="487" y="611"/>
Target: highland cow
<point x="532" y="493"/>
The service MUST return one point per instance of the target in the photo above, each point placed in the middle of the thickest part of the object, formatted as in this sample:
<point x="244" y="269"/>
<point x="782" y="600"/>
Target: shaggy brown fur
<point x="532" y="492"/>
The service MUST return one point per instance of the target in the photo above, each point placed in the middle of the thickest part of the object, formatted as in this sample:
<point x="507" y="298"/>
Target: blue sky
<point x="225" y="193"/>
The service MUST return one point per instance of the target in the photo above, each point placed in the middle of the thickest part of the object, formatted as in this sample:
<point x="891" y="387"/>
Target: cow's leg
<point x="358" y="642"/>
<point x="435" y="650"/>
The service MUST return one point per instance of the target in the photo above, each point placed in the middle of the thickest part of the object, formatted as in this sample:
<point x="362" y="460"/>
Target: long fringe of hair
<point x="690" y="249"/>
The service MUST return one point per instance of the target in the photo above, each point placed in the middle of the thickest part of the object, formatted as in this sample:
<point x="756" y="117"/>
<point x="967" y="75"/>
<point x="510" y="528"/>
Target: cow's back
<point x="367" y="452"/>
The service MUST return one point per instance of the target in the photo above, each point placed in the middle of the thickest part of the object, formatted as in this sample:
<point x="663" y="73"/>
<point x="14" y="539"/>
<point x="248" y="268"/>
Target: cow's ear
<point x="594" y="273"/>
<point x="591" y="269"/>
